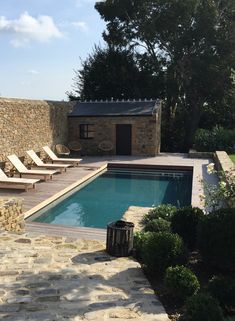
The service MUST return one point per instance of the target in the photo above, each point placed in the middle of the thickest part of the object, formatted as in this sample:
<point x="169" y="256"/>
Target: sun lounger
<point x="43" y="174"/>
<point x="40" y="164"/>
<point x="55" y="159"/>
<point x="12" y="182"/>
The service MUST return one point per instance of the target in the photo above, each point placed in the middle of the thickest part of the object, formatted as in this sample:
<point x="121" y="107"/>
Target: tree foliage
<point x="191" y="41"/>
<point x="114" y="74"/>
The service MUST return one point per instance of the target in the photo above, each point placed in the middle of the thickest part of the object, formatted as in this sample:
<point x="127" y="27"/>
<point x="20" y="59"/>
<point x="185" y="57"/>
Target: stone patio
<point x="46" y="278"/>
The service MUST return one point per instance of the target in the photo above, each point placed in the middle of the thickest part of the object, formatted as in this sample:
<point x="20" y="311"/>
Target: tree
<point x="114" y="74"/>
<point x="193" y="43"/>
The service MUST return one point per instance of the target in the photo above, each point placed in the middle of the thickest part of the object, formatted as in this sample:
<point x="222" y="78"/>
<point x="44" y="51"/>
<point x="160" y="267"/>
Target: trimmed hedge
<point x="202" y="307"/>
<point x="139" y="239"/>
<point x="216" y="139"/>
<point x="216" y="239"/>
<point x="160" y="250"/>
<point x="158" y="225"/>
<point x="181" y="281"/>
<point x="223" y="289"/>
<point x="185" y="223"/>
<point x="164" y="211"/>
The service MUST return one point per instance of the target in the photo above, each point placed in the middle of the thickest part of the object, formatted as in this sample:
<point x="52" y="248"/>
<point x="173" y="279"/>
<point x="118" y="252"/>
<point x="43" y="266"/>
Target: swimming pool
<point x="106" y="198"/>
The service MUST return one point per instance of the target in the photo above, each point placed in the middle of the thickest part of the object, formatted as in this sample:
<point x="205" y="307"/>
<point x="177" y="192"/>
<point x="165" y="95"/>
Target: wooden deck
<point x="35" y="228"/>
<point x="44" y="190"/>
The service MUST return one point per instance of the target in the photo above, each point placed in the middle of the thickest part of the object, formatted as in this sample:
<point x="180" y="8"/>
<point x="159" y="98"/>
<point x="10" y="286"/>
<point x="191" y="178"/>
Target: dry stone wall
<point x="11" y="215"/>
<point x="31" y="124"/>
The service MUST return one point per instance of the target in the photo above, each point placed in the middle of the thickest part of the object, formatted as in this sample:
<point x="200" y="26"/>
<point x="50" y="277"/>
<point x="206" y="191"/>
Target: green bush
<point x="202" y="307"/>
<point x="181" y="281"/>
<point x="161" y="211"/>
<point x="216" y="139"/>
<point x="216" y="239"/>
<point x="139" y="239"/>
<point x="160" y="250"/>
<point x="158" y="225"/>
<point x="223" y="289"/>
<point x="185" y="223"/>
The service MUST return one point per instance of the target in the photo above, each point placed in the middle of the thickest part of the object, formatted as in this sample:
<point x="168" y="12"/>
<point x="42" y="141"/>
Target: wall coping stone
<point x="223" y="161"/>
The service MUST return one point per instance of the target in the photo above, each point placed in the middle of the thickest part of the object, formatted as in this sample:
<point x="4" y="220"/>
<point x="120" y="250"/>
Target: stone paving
<point x="135" y="214"/>
<point x="46" y="278"/>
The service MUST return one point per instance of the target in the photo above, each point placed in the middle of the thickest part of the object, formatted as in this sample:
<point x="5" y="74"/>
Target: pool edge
<point x="66" y="190"/>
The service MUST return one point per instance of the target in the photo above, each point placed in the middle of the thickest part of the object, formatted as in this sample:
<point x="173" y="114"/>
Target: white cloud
<point x="28" y="28"/>
<point x="81" y="25"/>
<point x="33" y="72"/>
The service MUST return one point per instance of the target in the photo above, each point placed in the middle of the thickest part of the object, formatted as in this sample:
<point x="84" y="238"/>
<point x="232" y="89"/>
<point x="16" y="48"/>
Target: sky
<point x="42" y="43"/>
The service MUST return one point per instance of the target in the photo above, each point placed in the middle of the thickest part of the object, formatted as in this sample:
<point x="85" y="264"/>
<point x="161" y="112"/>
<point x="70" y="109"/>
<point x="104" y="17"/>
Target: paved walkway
<point x="56" y="278"/>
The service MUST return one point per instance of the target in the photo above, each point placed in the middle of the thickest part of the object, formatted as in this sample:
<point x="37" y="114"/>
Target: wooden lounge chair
<point x="43" y="174"/>
<point x="13" y="182"/>
<point x="40" y="164"/>
<point x="55" y="159"/>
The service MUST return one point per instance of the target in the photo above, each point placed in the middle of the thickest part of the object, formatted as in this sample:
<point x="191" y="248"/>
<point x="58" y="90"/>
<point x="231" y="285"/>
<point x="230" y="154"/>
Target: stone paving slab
<point x="57" y="278"/>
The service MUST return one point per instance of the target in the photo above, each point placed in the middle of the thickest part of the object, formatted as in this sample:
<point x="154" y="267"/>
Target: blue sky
<point x="42" y="42"/>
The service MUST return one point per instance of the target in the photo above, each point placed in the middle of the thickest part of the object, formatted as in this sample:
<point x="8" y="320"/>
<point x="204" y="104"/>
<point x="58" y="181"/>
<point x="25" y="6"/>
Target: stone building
<point x="130" y="127"/>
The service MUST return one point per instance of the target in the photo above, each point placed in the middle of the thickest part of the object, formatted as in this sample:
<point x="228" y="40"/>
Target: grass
<point x="232" y="156"/>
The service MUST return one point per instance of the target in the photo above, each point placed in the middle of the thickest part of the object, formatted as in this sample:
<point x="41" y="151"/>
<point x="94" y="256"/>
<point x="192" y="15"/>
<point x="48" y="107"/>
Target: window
<point x="86" y="131"/>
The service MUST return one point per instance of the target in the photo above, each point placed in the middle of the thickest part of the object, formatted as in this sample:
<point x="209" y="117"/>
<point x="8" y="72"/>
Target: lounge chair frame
<point x="40" y="164"/>
<point x="43" y="174"/>
<point x="12" y="182"/>
<point x="55" y="159"/>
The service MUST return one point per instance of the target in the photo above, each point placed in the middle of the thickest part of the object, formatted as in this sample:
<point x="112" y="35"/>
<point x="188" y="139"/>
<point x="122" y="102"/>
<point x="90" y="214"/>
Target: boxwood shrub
<point x="181" y="282"/>
<point x="223" y="289"/>
<point x="158" y="225"/>
<point x="202" y="307"/>
<point x="164" y="211"/>
<point x="139" y="239"/>
<point x="218" y="138"/>
<point x="185" y="222"/>
<point x="216" y="239"/>
<point x="160" y="250"/>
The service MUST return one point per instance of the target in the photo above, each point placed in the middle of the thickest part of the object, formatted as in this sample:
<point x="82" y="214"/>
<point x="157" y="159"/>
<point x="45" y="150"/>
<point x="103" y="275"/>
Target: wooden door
<point x="123" y="139"/>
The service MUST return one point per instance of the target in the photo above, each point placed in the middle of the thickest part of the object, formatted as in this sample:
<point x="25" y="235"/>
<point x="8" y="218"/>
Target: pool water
<point x="107" y="197"/>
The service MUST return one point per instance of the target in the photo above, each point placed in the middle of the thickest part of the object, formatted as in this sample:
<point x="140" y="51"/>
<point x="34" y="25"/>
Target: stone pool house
<point x="132" y="127"/>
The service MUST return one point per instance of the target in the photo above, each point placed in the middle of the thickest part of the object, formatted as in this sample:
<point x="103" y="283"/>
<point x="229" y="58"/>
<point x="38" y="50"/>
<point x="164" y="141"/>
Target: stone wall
<point x="11" y="216"/>
<point x="225" y="164"/>
<point x="145" y="133"/>
<point x="31" y="124"/>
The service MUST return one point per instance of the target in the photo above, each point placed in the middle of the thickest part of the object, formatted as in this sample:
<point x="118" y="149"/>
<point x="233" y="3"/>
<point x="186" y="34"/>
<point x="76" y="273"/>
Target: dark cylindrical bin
<point x="120" y="238"/>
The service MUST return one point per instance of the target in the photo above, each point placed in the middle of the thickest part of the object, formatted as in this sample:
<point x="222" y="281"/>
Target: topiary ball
<point x="181" y="281"/>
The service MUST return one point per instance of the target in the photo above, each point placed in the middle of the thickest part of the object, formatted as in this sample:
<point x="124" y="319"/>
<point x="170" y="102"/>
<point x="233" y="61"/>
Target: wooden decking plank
<point x="66" y="231"/>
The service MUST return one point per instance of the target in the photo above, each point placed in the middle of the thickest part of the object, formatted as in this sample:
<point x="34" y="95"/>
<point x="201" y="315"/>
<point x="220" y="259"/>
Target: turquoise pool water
<point x="107" y="197"/>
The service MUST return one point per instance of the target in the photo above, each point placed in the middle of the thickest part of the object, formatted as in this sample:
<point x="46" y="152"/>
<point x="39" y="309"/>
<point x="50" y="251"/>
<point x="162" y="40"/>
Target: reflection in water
<point x="106" y="198"/>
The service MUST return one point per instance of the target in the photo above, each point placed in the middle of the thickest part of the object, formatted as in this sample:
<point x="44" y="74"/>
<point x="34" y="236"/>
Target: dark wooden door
<point x="123" y="139"/>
